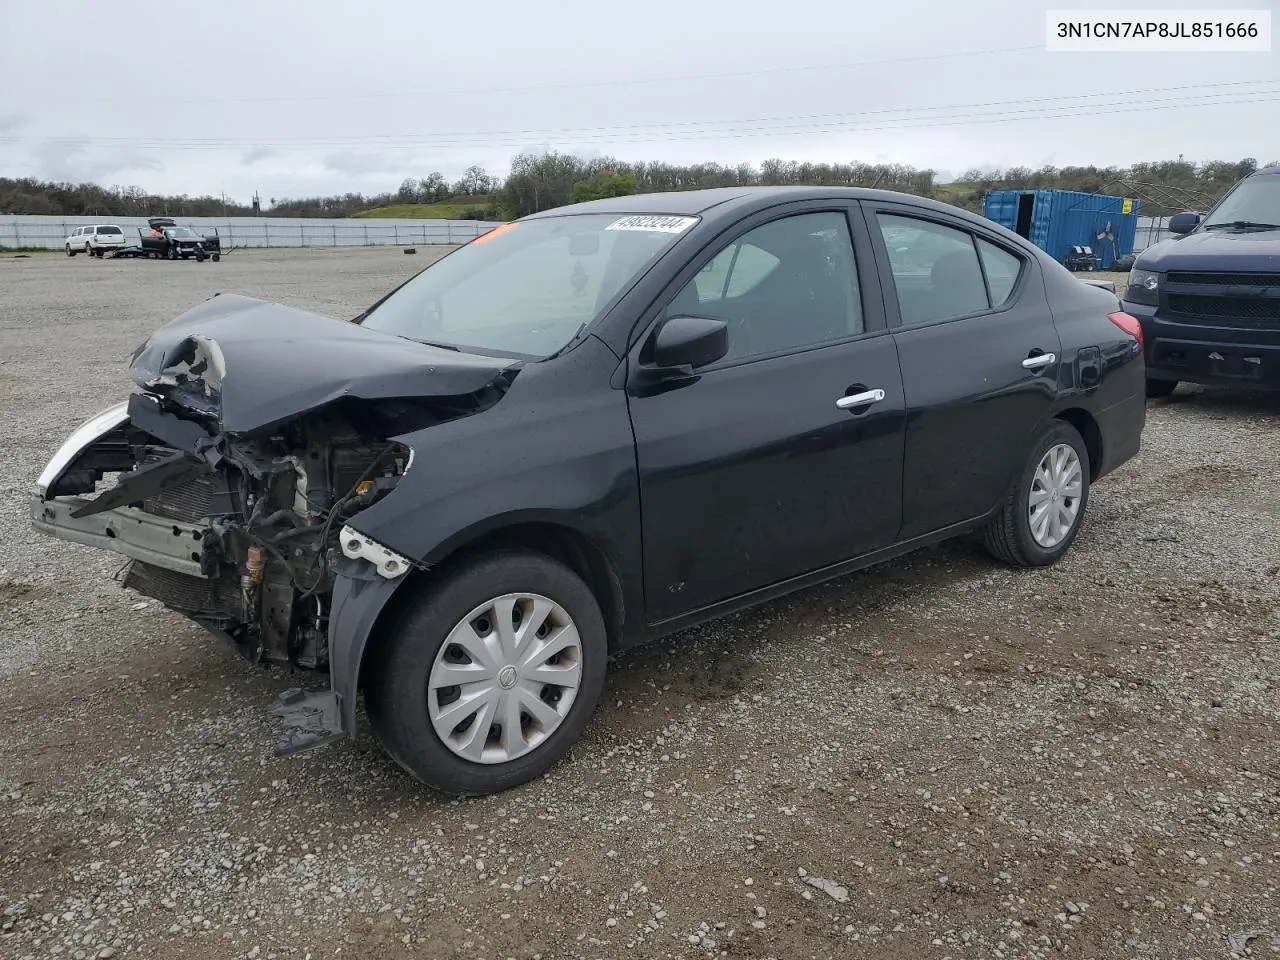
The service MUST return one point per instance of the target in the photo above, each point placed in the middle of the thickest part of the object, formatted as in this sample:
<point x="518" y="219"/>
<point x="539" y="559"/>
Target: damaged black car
<point x="586" y="429"/>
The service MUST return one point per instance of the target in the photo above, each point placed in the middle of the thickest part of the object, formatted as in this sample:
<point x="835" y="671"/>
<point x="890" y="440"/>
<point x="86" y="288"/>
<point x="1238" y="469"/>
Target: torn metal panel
<point x="259" y="364"/>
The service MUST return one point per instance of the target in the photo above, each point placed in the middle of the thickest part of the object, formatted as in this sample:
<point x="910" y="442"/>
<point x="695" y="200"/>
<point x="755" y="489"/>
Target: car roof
<point x="729" y="202"/>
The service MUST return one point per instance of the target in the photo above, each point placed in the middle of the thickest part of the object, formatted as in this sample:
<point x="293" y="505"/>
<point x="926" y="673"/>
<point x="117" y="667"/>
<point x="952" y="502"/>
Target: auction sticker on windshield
<point x="650" y="224"/>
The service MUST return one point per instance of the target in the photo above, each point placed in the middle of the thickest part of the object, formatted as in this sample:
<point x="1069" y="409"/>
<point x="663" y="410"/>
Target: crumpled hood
<point x="1242" y="251"/>
<point x="262" y="363"/>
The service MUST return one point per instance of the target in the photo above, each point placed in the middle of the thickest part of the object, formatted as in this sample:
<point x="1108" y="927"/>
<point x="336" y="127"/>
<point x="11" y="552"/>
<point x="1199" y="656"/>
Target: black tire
<point x="173" y="253"/>
<point x="70" y="252"/>
<point x="1161" y="388"/>
<point x="1008" y="537"/>
<point x="396" y="688"/>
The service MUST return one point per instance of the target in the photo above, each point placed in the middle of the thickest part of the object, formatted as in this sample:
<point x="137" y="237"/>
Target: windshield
<point x="179" y="232"/>
<point x="1256" y="200"/>
<point x="527" y="288"/>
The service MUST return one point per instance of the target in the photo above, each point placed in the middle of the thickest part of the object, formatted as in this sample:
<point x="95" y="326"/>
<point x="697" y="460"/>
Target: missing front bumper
<point x="160" y="541"/>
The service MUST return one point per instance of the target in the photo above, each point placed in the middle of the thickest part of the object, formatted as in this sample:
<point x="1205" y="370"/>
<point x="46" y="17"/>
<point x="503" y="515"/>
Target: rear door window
<point x="936" y="272"/>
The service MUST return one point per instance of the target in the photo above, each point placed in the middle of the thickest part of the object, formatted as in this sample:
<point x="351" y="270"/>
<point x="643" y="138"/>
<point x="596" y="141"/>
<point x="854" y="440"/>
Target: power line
<point x="568" y="85"/>
<point x="675" y="132"/>
<point x="548" y="131"/>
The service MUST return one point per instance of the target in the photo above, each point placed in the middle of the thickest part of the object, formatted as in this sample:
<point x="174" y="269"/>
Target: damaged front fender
<point x="310" y="720"/>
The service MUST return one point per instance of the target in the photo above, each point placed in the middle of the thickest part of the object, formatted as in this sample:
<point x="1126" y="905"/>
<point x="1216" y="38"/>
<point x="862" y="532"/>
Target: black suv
<point x="1209" y="301"/>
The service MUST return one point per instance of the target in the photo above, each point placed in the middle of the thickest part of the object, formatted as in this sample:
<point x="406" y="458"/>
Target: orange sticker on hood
<point x="486" y="237"/>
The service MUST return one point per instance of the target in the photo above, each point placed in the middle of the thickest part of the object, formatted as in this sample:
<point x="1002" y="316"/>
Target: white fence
<point x="51" y="232"/>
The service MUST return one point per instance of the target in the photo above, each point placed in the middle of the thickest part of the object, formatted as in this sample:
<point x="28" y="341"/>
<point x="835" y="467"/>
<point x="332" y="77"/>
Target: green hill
<point x="449" y="210"/>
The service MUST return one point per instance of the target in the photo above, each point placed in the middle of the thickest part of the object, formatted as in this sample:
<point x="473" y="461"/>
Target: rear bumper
<point x="1121" y="427"/>
<point x="1208" y="352"/>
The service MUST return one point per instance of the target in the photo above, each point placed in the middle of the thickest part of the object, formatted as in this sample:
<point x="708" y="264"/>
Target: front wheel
<point x="490" y="677"/>
<point x="1045" y="506"/>
<point x="70" y="252"/>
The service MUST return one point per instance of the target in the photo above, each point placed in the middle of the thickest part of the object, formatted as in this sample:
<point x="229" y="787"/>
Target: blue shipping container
<point x="1057" y="220"/>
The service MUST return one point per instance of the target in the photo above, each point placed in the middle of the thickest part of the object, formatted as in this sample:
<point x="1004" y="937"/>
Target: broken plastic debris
<point x="829" y="887"/>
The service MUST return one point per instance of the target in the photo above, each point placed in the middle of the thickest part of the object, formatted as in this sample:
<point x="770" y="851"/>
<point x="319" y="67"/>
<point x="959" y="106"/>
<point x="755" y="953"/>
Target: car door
<point x="785" y="456"/>
<point x="979" y="355"/>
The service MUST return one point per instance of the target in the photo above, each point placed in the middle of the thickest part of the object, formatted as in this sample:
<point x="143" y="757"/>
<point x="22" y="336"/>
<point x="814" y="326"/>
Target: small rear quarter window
<point x="1002" y="269"/>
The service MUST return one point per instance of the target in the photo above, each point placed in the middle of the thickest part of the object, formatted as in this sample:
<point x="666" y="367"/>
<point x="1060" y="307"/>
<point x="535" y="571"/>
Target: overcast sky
<point x="326" y="96"/>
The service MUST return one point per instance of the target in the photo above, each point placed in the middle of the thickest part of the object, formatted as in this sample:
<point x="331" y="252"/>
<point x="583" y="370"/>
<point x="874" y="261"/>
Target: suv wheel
<point x="490" y="677"/>
<point x="70" y="252"/>
<point x="1042" y="513"/>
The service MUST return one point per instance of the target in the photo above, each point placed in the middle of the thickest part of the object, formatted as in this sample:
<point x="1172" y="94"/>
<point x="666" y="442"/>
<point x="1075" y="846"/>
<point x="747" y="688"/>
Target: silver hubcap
<point x="505" y="678"/>
<point x="1056" y="487"/>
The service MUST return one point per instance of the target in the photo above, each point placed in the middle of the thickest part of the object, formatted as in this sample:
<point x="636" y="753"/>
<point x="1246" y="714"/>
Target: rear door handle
<point x="860" y="399"/>
<point x="1042" y="360"/>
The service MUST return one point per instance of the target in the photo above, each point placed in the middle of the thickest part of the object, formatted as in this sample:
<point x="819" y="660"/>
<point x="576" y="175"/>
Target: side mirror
<point x="1184" y="222"/>
<point x="689" y="342"/>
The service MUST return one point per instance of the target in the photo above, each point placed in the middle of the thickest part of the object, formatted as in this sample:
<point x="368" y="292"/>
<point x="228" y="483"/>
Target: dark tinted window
<point x="935" y="270"/>
<point x="786" y="285"/>
<point x="1002" y="269"/>
<point x="111" y="230"/>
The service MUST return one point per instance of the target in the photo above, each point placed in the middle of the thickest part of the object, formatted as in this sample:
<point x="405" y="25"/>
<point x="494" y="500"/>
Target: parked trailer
<point x="1058" y="221"/>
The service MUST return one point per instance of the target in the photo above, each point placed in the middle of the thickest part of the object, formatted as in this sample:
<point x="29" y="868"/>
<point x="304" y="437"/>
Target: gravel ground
<point x="939" y="757"/>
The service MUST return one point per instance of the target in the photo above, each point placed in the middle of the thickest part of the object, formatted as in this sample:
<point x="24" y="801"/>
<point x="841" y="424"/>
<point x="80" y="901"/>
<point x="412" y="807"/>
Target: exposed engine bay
<point x="267" y="512"/>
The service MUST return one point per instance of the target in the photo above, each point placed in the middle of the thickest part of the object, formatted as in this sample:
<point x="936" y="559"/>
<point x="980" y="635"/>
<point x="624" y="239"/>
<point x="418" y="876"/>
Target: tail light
<point x="1129" y="324"/>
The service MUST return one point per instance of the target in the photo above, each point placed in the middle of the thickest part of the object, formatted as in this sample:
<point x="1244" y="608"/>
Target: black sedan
<point x="589" y="428"/>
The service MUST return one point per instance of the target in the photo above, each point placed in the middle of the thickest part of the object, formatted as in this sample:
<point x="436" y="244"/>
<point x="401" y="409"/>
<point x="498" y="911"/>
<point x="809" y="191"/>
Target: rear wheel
<point x="1161" y="388"/>
<point x="1045" y="506"/>
<point x="491" y="676"/>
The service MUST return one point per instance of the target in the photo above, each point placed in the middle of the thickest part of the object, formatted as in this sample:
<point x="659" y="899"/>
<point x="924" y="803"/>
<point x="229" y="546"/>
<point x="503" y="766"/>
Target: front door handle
<point x="860" y="399"/>
<point x="1039" y="361"/>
